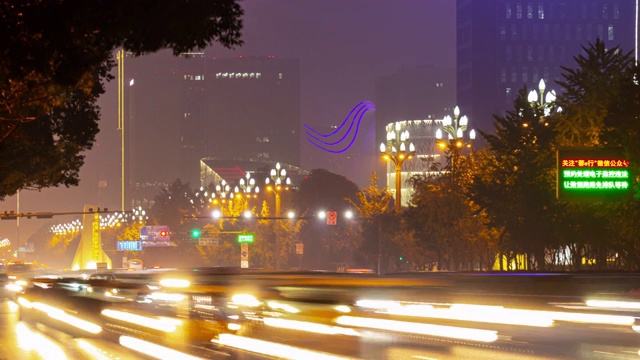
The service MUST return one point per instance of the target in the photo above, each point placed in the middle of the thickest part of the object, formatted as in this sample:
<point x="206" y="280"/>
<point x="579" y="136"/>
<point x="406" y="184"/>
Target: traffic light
<point x="401" y="258"/>
<point x="195" y="233"/>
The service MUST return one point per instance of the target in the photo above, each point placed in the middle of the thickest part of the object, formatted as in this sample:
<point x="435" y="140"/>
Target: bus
<point x="18" y="267"/>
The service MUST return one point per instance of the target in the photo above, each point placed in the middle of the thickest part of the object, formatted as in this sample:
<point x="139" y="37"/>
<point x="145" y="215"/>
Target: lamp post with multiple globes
<point x="248" y="187"/>
<point x="277" y="182"/>
<point x="398" y="149"/>
<point x="455" y="129"/>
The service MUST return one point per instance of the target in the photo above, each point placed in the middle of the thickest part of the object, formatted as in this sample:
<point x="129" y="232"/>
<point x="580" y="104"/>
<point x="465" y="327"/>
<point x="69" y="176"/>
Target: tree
<point x="601" y="109"/>
<point x="58" y="54"/>
<point x="516" y="186"/>
<point x="444" y="227"/>
<point x="324" y="191"/>
<point x="372" y="203"/>
<point x="589" y="93"/>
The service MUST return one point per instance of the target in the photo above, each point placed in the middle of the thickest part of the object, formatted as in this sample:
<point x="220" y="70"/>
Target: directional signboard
<point x="208" y="242"/>
<point x="129" y="245"/>
<point x="155" y="236"/>
<point x="245" y="238"/>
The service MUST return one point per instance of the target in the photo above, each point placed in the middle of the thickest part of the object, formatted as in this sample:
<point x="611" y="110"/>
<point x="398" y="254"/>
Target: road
<point x="397" y="323"/>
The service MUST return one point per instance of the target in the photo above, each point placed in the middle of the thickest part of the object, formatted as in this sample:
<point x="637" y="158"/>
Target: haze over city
<point x="342" y="46"/>
<point x="326" y="179"/>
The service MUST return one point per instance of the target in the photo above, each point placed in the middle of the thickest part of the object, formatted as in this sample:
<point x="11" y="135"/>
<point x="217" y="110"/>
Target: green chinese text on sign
<point x="592" y="174"/>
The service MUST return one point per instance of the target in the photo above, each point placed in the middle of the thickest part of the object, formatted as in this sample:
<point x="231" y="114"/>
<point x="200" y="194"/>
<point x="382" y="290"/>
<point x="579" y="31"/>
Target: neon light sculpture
<point x="333" y="142"/>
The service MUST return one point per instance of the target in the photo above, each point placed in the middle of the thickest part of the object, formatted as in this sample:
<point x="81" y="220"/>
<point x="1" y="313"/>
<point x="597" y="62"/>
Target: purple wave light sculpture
<point x="333" y="142"/>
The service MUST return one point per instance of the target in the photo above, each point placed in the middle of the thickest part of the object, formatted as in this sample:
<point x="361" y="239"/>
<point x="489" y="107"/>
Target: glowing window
<point x="540" y="11"/>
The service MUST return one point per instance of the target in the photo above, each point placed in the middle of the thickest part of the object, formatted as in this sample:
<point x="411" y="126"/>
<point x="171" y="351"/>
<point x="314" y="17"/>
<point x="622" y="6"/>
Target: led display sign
<point x="592" y="174"/>
<point x="128" y="245"/>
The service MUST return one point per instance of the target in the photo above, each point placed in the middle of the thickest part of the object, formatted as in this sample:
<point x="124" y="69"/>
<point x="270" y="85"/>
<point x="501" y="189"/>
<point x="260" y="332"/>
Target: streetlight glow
<point x="277" y="176"/>
<point x="397" y="139"/>
<point x="455" y="128"/>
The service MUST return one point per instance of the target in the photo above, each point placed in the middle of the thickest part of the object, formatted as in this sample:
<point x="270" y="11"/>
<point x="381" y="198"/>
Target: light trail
<point x="452" y="332"/>
<point x="272" y="349"/>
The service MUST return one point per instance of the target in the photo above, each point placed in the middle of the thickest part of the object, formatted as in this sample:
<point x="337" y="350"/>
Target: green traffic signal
<point x="401" y="258"/>
<point x="195" y="233"/>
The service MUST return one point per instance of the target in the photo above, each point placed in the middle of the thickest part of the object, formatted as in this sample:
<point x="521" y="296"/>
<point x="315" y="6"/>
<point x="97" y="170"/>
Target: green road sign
<point x="245" y="238"/>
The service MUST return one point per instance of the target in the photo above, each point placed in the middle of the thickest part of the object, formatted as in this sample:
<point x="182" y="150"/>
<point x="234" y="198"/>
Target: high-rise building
<point x="503" y="45"/>
<point x="183" y="109"/>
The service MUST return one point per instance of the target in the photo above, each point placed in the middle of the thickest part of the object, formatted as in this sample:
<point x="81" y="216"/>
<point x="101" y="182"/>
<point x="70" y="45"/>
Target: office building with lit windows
<point x="183" y="109"/>
<point x="504" y="45"/>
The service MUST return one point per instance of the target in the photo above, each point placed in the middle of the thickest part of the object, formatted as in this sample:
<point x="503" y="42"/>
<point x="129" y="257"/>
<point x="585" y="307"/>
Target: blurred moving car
<point x="5" y="292"/>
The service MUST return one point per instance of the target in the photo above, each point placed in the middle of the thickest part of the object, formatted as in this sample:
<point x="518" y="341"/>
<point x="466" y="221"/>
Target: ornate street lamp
<point x="222" y="192"/>
<point x="248" y="187"/>
<point x="455" y="129"/>
<point x="397" y="150"/>
<point x="547" y="98"/>
<point x="277" y="182"/>
<point x="544" y="100"/>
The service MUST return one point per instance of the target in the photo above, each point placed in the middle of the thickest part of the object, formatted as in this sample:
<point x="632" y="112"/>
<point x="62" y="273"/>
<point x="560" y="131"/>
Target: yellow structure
<point x="89" y="254"/>
<point x="515" y="262"/>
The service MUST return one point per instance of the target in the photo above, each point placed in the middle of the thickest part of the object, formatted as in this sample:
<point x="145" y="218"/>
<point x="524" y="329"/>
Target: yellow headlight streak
<point x="452" y="332"/>
<point x="309" y="327"/>
<point x="93" y="351"/>
<point x="24" y="302"/>
<point x="268" y="348"/>
<point x="33" y="341"/>
<point x="60" y="315"/>
<point x="167" y="296"/>
<point x="165" y="325"/>
<point x="13" y="307"/>
<point x="612" y="304"/>
<point x="175" y="283"/>
<point x="485" y="314"/>
<point x="554" y="315"/>
<point x="154" y="350"/>
<point x="282" y="306"/>
<point x="245" y="300"/>
<point x="493" y="314"/>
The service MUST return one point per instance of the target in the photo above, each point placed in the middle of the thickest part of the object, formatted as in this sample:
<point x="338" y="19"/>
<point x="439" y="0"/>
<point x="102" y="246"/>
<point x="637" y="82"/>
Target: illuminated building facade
<point x="427" y="161"/>
<point x="503" y="45"/>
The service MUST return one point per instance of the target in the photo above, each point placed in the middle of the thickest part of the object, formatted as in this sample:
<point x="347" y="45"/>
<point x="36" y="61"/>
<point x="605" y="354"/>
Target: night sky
<point x="342" y="45"/>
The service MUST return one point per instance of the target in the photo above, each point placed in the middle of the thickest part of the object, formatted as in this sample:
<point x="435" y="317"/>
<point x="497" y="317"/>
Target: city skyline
<point x="342" y="48"/>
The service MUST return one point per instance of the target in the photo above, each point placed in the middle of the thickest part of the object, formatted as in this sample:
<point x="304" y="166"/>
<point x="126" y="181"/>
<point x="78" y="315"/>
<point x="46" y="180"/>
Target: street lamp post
<point x="545" y="100"/>
<point x="396" y="151"/>
<point x="249" y="188"/>
<point x="454" y="128"/>
<point x="277" y="182"/>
